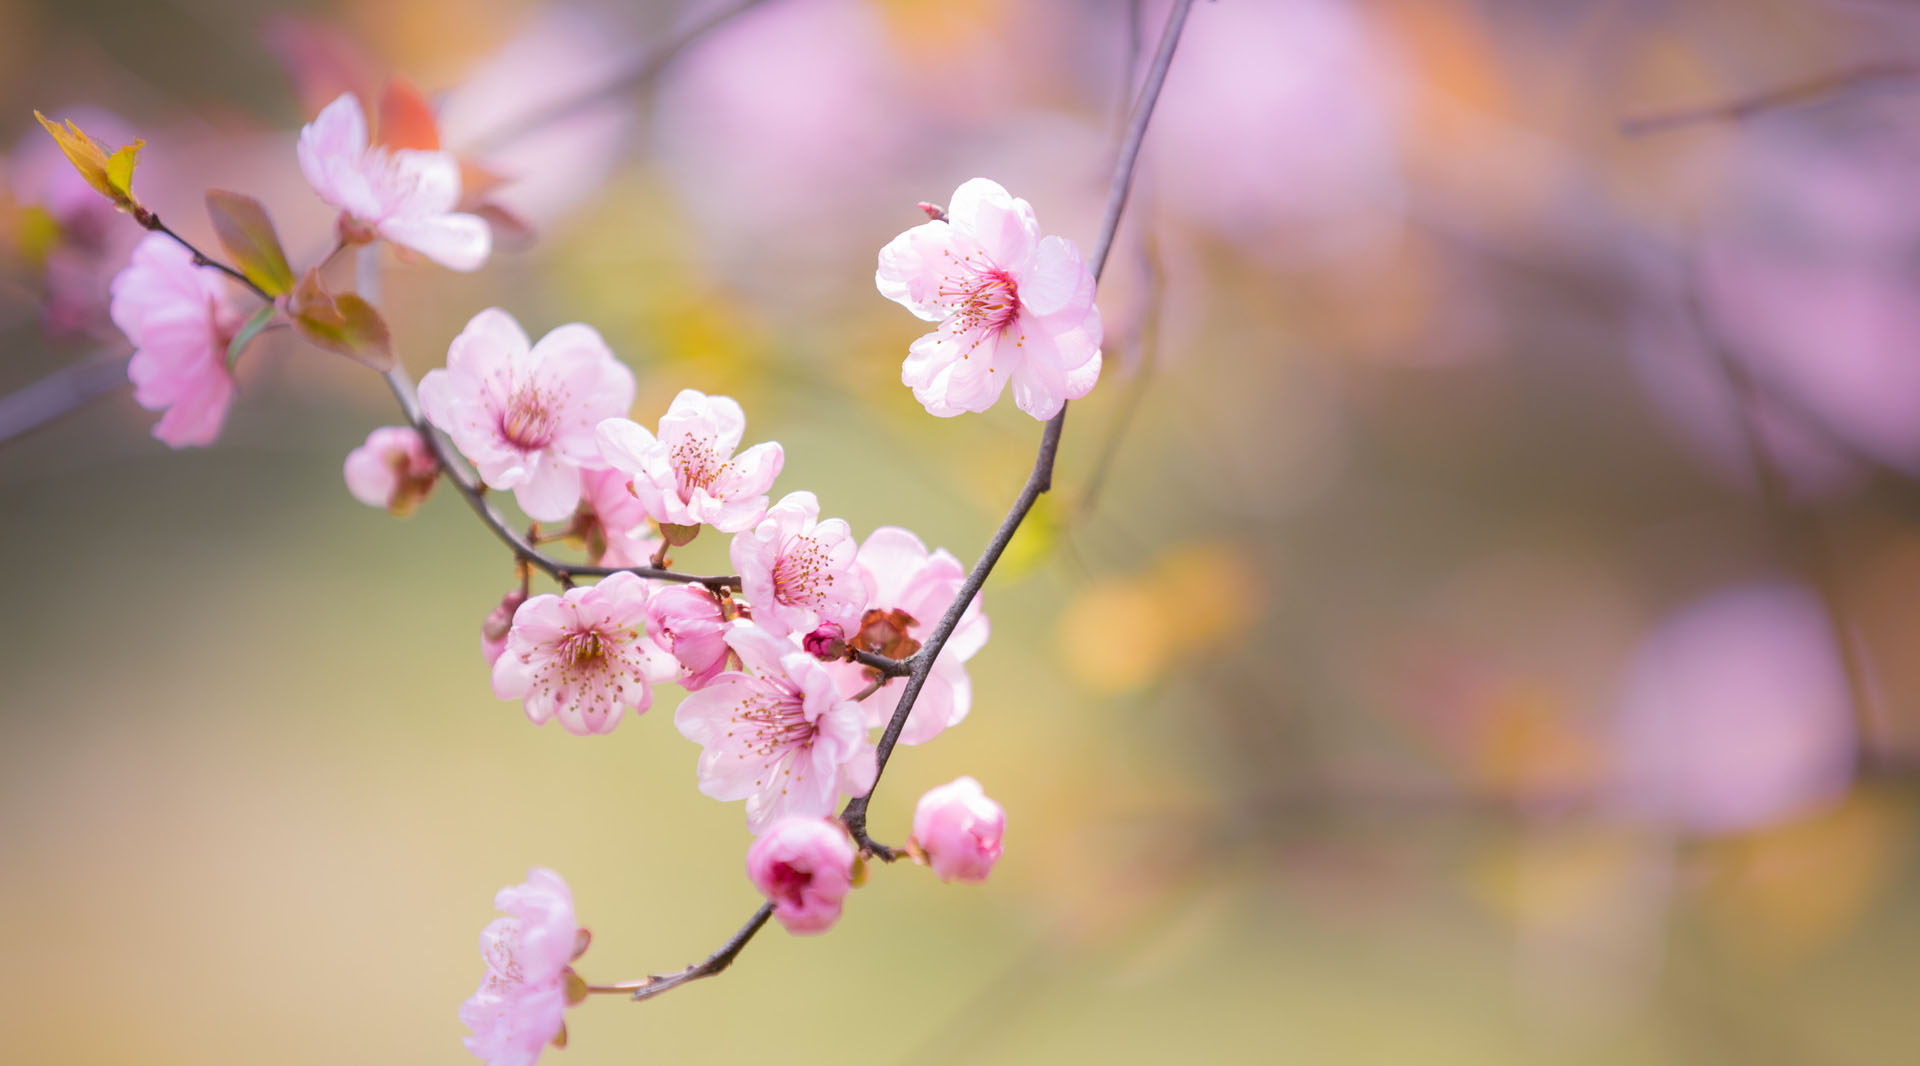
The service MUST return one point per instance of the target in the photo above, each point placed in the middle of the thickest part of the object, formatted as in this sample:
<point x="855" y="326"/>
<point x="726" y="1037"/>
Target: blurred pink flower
<point x="805" y="867"/>
<point x="688" y="475"/>
<point x="959" y="829"/>
<point x="902" y="576"/>
<point x="521" y="1004"/>
<point x="1735" y="713"/>
<point x="1014" y="307"/>
<point x="583" y="656"/>
<point x="178" y="318"/>
<point x="524" y="414"/>
<point x="685" y="620"/>
<point x="619" y="517"/>
<point x="405" y="195"/>
<point x="394" y="469"/>
<point x="797" y="571"/>
<point x="777" y="733"/>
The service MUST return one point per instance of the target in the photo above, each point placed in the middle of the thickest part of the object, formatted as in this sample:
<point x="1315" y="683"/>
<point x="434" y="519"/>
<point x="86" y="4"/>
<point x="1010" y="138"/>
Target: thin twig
<point x="887" y="667"/>
<point x="468" y="486"/>
<point x="63" y="391"/>
<point x="712" y="964"/>
<point x="642" y="70"/>
<point x="1746" y="107"/>
<point x="152" y="221"/>
<point x="1041" y="479"/>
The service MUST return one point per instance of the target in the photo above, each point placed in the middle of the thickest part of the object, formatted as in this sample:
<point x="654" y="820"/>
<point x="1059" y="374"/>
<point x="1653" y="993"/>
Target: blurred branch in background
<point x="63" y="391"/>
<point x="1799" y="93"/>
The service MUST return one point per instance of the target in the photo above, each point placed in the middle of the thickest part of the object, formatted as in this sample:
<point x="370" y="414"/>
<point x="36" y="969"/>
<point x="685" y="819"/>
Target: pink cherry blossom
<point x="688" y="475"/>
<point x="179" y="320"/>
<point x="910" y="588"/>
<point x="685" y="620"/>
<point x="394" y="469"/>
<point x="521" y="1004"/>
<point x="622" y="534"/>
<point x="797" y="571"/>
<point x="1014" y="307"/>
<point x="582" y="657"/>
<point x="959" y="829"/>
<point x="777" y="733"/>
<point x="523" y="413"/>
<point x="805" y="867"/>
<point x="405" y="195"/>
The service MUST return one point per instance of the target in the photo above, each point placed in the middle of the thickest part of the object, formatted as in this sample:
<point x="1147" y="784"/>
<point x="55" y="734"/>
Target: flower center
<point x="529" y="420"/>
<point x="694" y="465"/>
<point x="777" y="723"/>
<point x="787" y="884"/>
<point x="801" y="572"/>
<point x="583" y="649"/>
<point x="989" y="299"/>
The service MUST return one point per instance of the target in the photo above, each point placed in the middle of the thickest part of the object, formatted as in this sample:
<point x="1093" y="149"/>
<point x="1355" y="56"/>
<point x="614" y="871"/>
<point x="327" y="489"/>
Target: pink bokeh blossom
<point x="498" y="623"/>
<point x="405" y="195"/>
<point x="903" y="578"/>
<point x="583" y="657"/>
<point x="805" y="867"/>
<point x="777" y="733"/>
<point x="797" y="571"/>
<point x="685" y="620"/>
<point x="178" y="317"/>
<point x="688" y="474"/>
<point x="1014" y="307"/>
<point x="959" y="829"/>
<point x="394" y="469"/>
<point x="523" y="413"/>
<point x="90" y="241"/>
<point x="521" y="1004"/>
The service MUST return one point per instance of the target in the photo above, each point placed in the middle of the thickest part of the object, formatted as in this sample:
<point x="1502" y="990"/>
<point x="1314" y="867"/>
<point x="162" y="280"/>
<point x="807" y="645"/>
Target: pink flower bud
<point x="959" y="829"/>
<point x="826" y="643"/>
<point x="805" y="866"/>
<point x="498" y="623"/>
<point x="394" y="469"/>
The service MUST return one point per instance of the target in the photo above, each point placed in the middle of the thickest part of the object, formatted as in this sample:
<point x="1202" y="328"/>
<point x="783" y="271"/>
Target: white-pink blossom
<point x="688" y="474"/>
<point x="621" y="535"/>
<point x="1014" y="307"/>
<point x="804" y="866"/>
<point x="959" y="829"/>
<point x="405" y="195"/>
<point x="777" y="733"/>
<point x="178" y="317"/>
<point x="523" y="413"/>
<point x="909" y="589"/>
<point x="521" y="1004"/>
<point x="583" y="657"/>
<point x="797" y="571"/>
<point x="394" y="469"/>
<point x="685" y="620"/>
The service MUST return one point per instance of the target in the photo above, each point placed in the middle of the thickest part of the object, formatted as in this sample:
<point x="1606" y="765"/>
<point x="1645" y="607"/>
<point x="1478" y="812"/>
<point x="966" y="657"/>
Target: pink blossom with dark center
<point x="582" y="657"/>
<point x="1013" y="307"/>
<point x="524" y="413"/>
<point x="805" y="867"/>
<point x="777" y="733"/>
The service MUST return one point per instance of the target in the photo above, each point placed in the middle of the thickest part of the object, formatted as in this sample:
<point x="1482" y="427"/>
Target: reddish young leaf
<point x="345" y="323"/>
<point x="406" y="119"/>
<point x="247" y="234"/>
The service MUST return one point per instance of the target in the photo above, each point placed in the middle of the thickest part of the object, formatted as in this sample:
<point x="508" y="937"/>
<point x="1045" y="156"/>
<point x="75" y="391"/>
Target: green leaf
<point x="247" y="234"/>
<point x="247" y="333"/>
<point x="345" y="324"/>
<point x="110" y="175"/>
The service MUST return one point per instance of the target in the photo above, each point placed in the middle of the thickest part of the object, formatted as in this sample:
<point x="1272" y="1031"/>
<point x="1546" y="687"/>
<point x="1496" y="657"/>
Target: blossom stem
<point x="887" y="667"/>
<point x="1041" y="479"/>
<point x="200" y="258"/>
<point x="712" y="964"/>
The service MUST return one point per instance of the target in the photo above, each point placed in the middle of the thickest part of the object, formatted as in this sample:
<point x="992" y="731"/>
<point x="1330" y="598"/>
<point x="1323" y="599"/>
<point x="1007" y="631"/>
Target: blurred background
<point x="1475" y="622"/>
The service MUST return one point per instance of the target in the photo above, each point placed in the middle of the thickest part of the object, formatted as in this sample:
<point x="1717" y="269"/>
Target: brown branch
<point x="1041" y="479"/>
<point x="468" y="486"/>
<point x="152" y="221"/>
<point x="1793" y="95"/>
<point x="645" y="68"/>
<point x="712" y="964"/>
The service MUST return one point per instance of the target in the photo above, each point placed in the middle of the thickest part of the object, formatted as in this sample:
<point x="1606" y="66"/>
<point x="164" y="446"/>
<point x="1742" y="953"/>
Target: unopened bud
<point x="827" y="643"/>
<point x="958" y="829"/>
<point x="934" y="211"/>
<point x="498" y="623"/>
